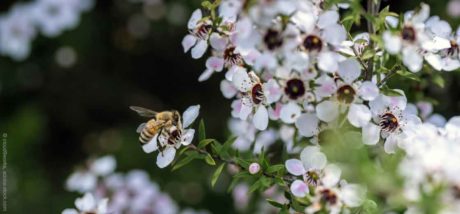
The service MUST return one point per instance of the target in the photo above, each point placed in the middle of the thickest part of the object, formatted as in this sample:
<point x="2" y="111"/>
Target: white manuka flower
<point x="85" y="180"/>
<point x="446" y="58"/>
<point x="88" y="204"/>
<point x="413" y="39"/>
<point x="55" y="16"/>
<point x="255" y="97"/>
<point x="310" y="165"/>
<point x="392" y="119"/>
<point x="170" y="140"/>
<point x="16" y="32"/>
<point x="318" y="39"/>
<point x="347" y="93"/>
<point x="200" y="29"/>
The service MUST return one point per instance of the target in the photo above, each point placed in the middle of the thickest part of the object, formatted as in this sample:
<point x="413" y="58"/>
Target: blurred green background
<point x="56" y="117"/>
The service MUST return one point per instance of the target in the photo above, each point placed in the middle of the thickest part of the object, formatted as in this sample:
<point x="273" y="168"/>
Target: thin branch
<point x="287" y="179"/>
<point x="389" y="75"/>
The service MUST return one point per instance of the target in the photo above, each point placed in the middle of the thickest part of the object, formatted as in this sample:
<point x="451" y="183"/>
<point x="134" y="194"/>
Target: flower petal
<point x="188" y="42"/>
<point x="412" y="59"/>
<point x="215" y="63"/>
<point x="327" y="111"/>
<point x="151" y="146"/>
<point x="86" y="203"/>
<point x="241" y="80"/>
<point x="187" y="136"/>
<point x="260" y="119"/>
<point x="349" y="70"/>
<point x="331" y="175"/>
<point x="199" y="49"/>
<point x="368" y="90"/>
<point x="299" y="188"/>
<point x="307" y="124"/>
<point x="295" y="167"/>
<point x="228" y="89"/>
<point x="391" y="144"/>
<point x="189" y="115"/>
<point x="327" y="61"/>
<point x="166" y="157"/>
<point x="196" y="16"/>
<point x="205" y="75"/>
<point x="290" y="112"/>
<point x="371" y="134"/>
<point x="217" y="41"/>
<point x="359" y="115"/>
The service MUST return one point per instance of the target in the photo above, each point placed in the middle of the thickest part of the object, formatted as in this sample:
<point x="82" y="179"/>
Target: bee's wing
<point x="141" y="127"/>
<point x="143" y="111"/>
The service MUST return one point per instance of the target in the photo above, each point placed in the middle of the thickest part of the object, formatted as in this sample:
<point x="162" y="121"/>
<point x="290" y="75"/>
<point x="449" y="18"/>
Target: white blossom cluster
<point x="106" y="191"/>
<point x="431" y="163"/>
<point x="285" y="61"/>
<point x="21" y="25"/>
<point x="330" y="194"/>
<point x="292" y="63"/>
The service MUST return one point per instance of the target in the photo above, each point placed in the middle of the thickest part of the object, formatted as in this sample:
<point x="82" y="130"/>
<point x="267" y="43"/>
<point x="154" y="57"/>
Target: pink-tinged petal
<point x="205" y="75"/>
<point x="246" y="109"/>
<point x="199" y="49"/>
<point x="272" y="91"/>
<point x="188" y="42"/>
<point x="349" y="70"/>
<point x="299" y="188"/>
<point x="370" y="134"/>
<point x="295" y="167"/>
<point x="102" y="205"/>
<point x="290" y="112"/>
<point x="70" y="211"/>
<point x="307" y="124"/>
<point x="187" y="137"/>
<point x="331" y="175"/>
<point x="193" y="21"/>
<point x="215" y="63"/>
<point x="218" y="42"/>
<point x="241" y="80"/>
<point x="368" y="91"/>
<point x="166" y="157"/>
<point x="359" y="115"/>
<point x="228" y="89"/>
<point x="274" y="114"/>
<point x="327" y="111"/>
<point x="327" y="86"/>
<point x="260" y="119"/>
<point x="151" y="146"/>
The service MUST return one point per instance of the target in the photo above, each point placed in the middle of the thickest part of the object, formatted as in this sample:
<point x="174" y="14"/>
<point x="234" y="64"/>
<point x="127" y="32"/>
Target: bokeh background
<point x="69" y="100"/>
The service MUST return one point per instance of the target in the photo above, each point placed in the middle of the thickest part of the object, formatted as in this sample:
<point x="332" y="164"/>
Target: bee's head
<point x="176" y="116"/>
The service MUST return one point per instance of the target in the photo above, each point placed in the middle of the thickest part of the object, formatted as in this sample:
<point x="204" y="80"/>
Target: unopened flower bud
<point x="254" y="168"/>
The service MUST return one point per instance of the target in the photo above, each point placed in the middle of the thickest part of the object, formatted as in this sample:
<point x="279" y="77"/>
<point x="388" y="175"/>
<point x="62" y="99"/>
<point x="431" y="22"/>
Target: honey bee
<point x="165" y="123"/>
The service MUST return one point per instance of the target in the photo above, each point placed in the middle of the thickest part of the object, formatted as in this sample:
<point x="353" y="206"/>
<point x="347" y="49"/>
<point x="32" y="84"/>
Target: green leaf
<point x="184" y="161"/>
<point x="205" y="142"/>
<point x="209" y="160"/>
<point x="216" y="174"/>
<point x="369" y="206"/>
<point x="275" y="168"/>
<point x="438" y="80"/>
<point x="201" y="131"/>
<point x="408" y="74"/>
<point x="390" y="92"/>
<point x="275" y="203"/>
